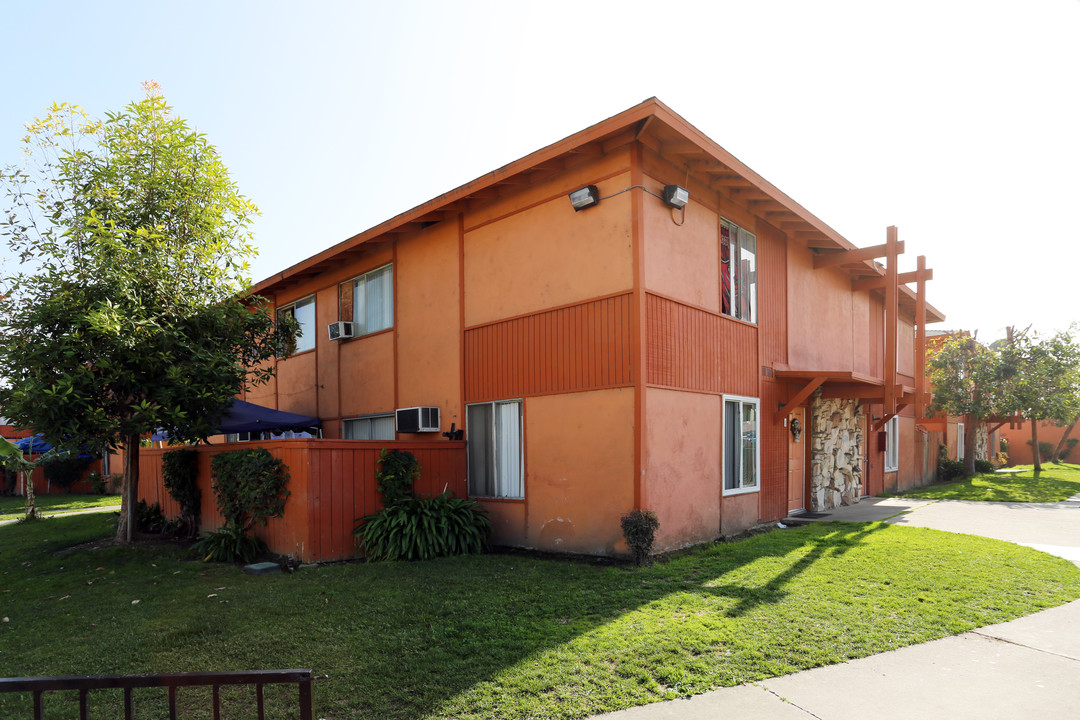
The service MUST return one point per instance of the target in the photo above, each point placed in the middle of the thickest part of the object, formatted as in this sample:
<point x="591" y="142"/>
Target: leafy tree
<point x="128" y="314"/>
<point x="969" y="379"/>
<point x="1045" y="382"/>
<point x="1064" y="441"/>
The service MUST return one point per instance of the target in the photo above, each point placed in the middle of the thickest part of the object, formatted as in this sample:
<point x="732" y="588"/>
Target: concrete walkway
<point x="1026" y="668"/>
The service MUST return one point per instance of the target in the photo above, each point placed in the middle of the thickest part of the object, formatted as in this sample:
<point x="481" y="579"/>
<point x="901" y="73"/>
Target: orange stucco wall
<point x="682" y="261"/>
<point x="548" y="255"/>
<point x="1020" y="452"/>
<point x="820" y="304"/>
<point x="579" y="470"/>
<point x="682" y="466"/>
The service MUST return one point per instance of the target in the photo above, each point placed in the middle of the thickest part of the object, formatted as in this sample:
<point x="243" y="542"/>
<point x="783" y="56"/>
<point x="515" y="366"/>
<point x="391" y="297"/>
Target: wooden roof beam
<point x="795" y="401"/>
<point x="857" y="255"/>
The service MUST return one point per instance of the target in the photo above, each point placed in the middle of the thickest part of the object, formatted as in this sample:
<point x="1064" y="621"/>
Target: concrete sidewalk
<point x="1025" y="668"/>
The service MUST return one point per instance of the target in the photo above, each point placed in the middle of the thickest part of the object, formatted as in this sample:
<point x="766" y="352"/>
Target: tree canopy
<point x="128" y="312"/>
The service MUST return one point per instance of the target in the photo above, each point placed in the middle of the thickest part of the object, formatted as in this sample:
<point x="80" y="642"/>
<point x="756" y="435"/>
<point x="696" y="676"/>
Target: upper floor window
<point x="304" y="312"/>
<point x="738" y="272"/>
<point x="369" y="300"/>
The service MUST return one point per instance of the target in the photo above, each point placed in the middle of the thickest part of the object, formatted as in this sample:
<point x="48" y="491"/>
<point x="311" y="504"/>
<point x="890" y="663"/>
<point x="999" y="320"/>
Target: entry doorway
<point x="797" y="460"/>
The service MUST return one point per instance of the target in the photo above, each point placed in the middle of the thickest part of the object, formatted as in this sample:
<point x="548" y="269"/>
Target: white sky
<point x="955" y="121"/>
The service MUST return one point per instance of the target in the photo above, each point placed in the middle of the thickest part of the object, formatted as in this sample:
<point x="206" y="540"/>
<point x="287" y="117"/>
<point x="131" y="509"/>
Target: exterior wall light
<point x="585" y="197"/>
<point x="676" y="196"/>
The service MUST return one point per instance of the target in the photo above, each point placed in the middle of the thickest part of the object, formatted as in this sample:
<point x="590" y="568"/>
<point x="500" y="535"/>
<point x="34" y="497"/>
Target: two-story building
<point x="628" y="318"/>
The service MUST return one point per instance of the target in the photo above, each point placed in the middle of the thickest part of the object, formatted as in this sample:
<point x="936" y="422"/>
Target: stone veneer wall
<point x="837" y="452"/>
<point x="982" y="441"/>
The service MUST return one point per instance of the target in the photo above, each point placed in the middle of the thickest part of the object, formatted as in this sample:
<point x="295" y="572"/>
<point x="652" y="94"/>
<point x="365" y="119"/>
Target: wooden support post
<point x="921" y="396"/>
<point x="809" y="388"/>
<point x="892" y="294"/>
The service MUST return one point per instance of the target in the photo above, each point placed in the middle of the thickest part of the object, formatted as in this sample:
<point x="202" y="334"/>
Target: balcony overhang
<point x="838" y="384"/>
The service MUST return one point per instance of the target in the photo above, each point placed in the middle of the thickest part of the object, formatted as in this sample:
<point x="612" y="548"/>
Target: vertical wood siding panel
<point x="574" y="348"/>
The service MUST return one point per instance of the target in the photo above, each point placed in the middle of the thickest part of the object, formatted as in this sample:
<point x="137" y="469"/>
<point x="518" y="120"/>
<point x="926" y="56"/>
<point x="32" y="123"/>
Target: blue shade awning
<point x="249" y="417"/>
<point x="38" y="442"/>
<point x="242" y="417"/>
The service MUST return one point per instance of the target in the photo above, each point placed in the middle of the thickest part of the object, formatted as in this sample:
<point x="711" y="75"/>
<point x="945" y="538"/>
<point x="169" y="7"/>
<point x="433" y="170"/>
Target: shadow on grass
<point x="479" y="636"/>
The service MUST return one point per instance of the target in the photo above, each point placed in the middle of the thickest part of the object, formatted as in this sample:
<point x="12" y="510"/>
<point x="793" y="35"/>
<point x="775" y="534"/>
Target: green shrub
<point x="149" y="518"/>
<point x="1046" y="450"/>
<point x="98" y="484"/>
<point x="249" y="486"/>
<point x="229" y="544"/>
<point x="949" y="470"/>
<point x="179" y="472"/>
<point x="424" y="528"/>
<point x="639" y="529"/>
<point x="398" y="469"/>
<point x="984" y="466"/>
<point x="65" y="471"/>
<point x="412" y="528"/>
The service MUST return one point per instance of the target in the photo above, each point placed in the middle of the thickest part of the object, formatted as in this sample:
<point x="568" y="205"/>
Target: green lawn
<point x="1055" y="483"/>
<point x="12" y="508"/>
<point x="505" y="636"/>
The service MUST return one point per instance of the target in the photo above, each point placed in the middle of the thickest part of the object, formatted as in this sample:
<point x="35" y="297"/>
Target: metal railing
<point x="37" y="686"/>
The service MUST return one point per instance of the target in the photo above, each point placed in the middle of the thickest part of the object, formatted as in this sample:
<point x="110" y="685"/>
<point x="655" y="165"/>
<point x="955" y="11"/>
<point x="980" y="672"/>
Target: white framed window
<point x="959" y="441"/>
<point x="738" y="272"/>
<point x="892" y="444"/>
<point x="496" y="463"/>
<point x="369" y="427"/>
<point x="740" y="445"/>
<point x="373" y="300"/>
<point x="304" y="312"/>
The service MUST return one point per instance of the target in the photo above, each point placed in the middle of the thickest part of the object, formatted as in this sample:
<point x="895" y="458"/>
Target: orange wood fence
<point x="331" y="484"/>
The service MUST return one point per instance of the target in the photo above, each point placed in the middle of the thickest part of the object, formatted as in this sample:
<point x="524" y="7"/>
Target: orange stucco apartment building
<point x="710" y="351"/>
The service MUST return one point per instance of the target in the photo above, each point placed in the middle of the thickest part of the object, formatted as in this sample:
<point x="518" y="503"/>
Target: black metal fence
<point x="37" y="686"/>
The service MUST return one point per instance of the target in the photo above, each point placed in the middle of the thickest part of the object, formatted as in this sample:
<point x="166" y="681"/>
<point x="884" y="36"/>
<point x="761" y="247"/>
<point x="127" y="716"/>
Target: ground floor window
<point x="369" y="427"/>
<point x="892" y="444"/>
<point x="960" y="441"/>
<point x="493" y="431"/>
<point x="740" y="444"/>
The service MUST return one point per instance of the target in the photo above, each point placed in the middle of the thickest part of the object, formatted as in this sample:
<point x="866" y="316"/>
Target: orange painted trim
<point x="659" y="386"/>
<point x="638" y="313"/>
<point x="548" y="393"/>
<point x="542" y="201"/>
<point x="461" y="320"/>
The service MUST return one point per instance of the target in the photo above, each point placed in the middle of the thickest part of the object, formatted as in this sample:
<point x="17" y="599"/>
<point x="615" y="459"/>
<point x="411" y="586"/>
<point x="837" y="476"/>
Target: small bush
<point x="149" y="519"/>
<point x="984" y="466"/>
<point x="229" y="544"/>
<point x="424" y="528"/>
<point x="639" y="529"/>
<point x="1069" y="445"/>
<point x="179" y="471"/>
<point x="249" y="486"/>
<point x="949" y="470"/>
<point x="66" y="471"/>
<point x="398" y="469"/>
<point x="98" y="484"/>
<point x="1046" y="450"/>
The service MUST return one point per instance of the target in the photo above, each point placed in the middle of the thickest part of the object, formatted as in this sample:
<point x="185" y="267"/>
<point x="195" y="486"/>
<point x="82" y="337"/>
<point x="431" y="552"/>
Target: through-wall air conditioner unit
<point x="341" y="330"/>
<point x="417" y="419"/>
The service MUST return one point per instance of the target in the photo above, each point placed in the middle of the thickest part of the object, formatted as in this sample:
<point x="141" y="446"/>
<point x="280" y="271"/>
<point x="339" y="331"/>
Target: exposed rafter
<point x="856" y="255"/>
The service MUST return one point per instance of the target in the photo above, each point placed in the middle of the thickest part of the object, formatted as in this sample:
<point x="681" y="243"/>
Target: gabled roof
<point x="653" y="124"/>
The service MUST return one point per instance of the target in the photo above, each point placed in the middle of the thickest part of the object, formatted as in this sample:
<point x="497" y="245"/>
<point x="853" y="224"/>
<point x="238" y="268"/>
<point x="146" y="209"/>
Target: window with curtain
<point x="369" y="427"/>
<point x="304" y="312"/>
<point x="373" y="300"/>
<point x="740" y="435"/>
<point x="960" y="441"/>
<point x="738" y="272"/>
<point x="493" y="431"/>
<point x="892" y="444"/>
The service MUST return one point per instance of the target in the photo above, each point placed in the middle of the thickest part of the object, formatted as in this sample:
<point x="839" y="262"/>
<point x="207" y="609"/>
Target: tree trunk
<point x="129" y="494"/>
<point x="1035" y="445"/>
<point x="28" y="484"/>
<point x="971" y="431"/>
<point x="1064" y="436"/>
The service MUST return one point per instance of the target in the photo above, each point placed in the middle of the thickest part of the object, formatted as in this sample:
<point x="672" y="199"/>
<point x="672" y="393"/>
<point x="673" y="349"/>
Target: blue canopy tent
<point x="245" y="417"/>
<point x="36" y="444"/>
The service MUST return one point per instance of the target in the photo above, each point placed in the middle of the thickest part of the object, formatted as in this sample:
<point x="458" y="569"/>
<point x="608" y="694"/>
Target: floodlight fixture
<point x="676" y="196"/>
<point x="585" y="197"/>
